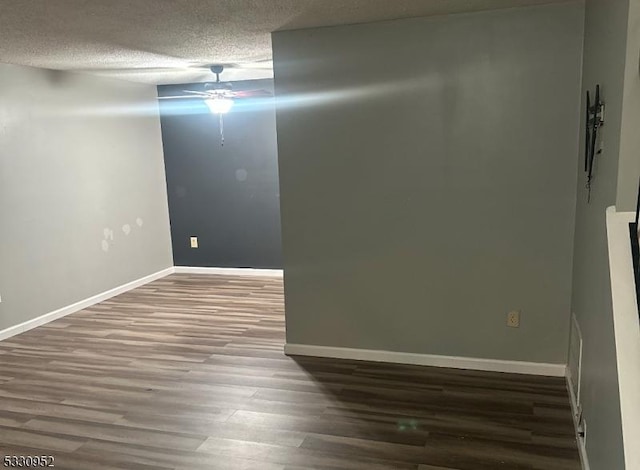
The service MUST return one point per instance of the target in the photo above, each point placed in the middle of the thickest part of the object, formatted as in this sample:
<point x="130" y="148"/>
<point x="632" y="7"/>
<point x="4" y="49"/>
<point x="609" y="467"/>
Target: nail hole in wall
<point x="241" y="174"/>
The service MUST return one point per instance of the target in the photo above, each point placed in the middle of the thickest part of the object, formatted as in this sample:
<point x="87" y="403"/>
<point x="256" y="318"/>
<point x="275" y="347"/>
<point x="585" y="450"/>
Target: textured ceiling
<point x="169" y="41"/>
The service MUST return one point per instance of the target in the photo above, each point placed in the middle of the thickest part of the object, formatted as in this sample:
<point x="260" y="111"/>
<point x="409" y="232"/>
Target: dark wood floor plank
<point x="188" y="372"/>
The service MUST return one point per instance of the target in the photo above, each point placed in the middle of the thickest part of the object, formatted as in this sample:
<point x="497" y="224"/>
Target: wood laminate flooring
<point x="188" y="372"/>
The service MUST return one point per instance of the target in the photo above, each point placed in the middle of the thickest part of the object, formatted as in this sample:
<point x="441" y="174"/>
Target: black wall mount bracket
<point x="593" y="122"/>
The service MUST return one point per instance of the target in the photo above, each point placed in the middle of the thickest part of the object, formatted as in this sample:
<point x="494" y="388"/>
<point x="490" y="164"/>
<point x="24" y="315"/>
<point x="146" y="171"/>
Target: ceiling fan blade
<point x="204" y="94"/>
<point x="252" y="94"/>
<point x="181" y="97"/>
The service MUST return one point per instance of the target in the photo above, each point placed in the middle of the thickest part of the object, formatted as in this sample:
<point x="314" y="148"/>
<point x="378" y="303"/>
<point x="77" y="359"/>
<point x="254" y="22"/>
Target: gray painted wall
<point x="427" y="181"/>
<point x="74" y="162"/>
<point x="629" y="164"/>
<point x="604" y="63"/>
<point x="226" y="196"/>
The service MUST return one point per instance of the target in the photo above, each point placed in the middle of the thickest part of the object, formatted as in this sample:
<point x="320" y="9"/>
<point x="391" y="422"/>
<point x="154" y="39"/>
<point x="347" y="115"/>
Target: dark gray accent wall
<point x="227" y="195"/>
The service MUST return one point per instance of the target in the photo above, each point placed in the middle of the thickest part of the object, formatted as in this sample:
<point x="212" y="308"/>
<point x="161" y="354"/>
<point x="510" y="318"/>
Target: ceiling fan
<point x="219" y="96"/>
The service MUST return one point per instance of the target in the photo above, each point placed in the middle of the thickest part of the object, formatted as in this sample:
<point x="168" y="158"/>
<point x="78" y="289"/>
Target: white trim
<point x="626" y="328"/>
<point x="229" y="271"/>
<point x="61" y="312"/>
<point x="575" y="326"/>
<point x="575" y="413"/>
<point x="82" y="304"/>
<point x="494" y="365"/>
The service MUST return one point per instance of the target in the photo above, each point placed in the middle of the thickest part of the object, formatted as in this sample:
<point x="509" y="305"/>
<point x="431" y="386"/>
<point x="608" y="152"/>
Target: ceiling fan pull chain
<point x="221" y="130"/>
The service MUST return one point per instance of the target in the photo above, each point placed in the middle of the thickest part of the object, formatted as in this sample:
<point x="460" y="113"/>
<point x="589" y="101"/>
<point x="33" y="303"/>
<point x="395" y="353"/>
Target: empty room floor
<point x="188" y="373"/>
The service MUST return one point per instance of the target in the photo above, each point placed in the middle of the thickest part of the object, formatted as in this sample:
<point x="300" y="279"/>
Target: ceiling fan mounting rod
<point x="217" y="69"/>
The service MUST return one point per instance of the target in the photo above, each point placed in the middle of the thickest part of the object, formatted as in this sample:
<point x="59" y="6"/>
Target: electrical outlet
<point x="194" y="242"/>
<point x="513" y="319"/>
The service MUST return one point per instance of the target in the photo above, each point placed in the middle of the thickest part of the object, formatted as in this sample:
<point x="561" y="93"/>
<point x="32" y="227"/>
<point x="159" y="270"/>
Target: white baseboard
<point x="582" y="451"/>
<point x="493" y="365"/>
<point x="61" y="312"/>
<point x="229" y="271"/>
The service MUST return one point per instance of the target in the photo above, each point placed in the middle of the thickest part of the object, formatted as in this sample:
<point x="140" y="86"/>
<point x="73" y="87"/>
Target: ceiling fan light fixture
<point x="219" y="105"/>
